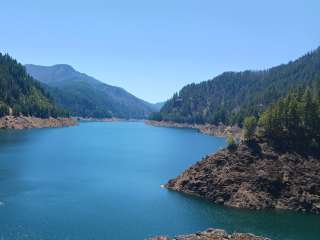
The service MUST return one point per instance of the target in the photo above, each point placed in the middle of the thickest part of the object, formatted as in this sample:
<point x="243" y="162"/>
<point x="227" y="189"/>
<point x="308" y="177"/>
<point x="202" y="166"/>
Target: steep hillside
<point x="22" y="94"/>
<point x="231" y="96"/>
<point x="85" y="96"/>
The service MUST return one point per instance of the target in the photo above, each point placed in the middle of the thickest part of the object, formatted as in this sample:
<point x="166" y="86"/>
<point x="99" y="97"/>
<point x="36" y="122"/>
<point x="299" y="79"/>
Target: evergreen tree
<point x="232" y="96"/>
<point x="294" y="122"/>
<point x="22" y="93"/>
<point x="250" y="125"/>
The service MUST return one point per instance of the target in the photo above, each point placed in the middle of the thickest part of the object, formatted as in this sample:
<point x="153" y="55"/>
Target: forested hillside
<point x="85" y="96"/>
<point x="22" y="94"/>
<point x="231" y="96"/>
<point x="293" y="122"/>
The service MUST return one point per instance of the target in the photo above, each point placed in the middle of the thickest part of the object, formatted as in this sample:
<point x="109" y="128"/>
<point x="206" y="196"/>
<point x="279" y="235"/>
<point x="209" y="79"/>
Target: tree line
<point x="232" y="96"/>
<point x="292" y="123"/>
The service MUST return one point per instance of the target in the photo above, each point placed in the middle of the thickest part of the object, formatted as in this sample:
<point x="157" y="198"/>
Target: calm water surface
<point x="102" y="181"/>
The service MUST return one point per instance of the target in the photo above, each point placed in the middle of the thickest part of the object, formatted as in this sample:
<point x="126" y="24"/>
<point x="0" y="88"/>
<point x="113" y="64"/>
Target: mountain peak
<point x="55" y="66"/>
<point x="63" y="66"/>
<point x="52" y="74"/>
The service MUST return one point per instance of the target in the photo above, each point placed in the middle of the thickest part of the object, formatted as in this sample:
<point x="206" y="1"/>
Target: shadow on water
<point x="12" y="137"/>
<point x="12" y="142"/>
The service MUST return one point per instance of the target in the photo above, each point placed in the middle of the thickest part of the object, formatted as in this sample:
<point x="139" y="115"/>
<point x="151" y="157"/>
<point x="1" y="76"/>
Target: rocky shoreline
<point x="209" y="129"/>
<point x="254" y="176"/>
<point x="113" y="119"/>
<point x="212" y="234"/>
<point x="22" y="122"/>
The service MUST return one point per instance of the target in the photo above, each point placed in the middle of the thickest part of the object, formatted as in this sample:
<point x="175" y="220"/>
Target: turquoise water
<point x="102" y="181"/>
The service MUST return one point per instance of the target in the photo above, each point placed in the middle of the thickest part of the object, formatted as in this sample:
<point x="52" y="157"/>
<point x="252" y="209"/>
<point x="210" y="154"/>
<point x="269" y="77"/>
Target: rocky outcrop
<point x="254" y="176"/>
<point x="209" y="129"/>
<point x="11" y="122"/>
<point x="213" y="234"/>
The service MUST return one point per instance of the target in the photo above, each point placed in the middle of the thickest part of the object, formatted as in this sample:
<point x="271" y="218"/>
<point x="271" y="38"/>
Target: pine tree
<point x="250" y="124"/>
<point x="294" y="122"/>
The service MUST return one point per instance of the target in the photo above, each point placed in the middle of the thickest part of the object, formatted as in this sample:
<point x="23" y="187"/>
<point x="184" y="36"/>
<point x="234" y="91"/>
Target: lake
<point x="102" y="181"/>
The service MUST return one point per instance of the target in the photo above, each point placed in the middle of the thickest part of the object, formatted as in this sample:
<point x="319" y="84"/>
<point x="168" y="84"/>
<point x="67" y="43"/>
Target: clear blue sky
<point x="154" y="47"/>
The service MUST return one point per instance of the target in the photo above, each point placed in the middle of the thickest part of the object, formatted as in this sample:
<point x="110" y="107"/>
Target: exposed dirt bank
<point x="11" y="122"/>
<point x="214" y="130"/>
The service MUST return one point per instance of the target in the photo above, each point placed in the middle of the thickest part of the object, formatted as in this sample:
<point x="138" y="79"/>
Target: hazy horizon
<point x="152" y="49"/>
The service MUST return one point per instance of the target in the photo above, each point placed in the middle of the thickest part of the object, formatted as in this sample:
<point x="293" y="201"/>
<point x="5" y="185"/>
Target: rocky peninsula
<point x="213" y="234"/>
<point x="254" y="176"/>
<point x="22" y="122"/>
<point x="209" y="129"/>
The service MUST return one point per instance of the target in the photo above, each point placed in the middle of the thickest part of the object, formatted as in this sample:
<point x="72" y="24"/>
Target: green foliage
<point x="156" y="116"/>
<point x="294" y="121"/>
<point x="232" y="96"/>
<point x="22" y="94"/>
<point x="4" y="109"/>
<point x="249" y="127"/>
<point x="231" y="142"/>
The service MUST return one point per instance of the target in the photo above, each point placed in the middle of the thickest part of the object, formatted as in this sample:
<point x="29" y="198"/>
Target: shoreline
<point x="91" y="119"/>
<point x="208" y="129"/>
<point x="22" y="122"/>
<point x="107" y="120"/>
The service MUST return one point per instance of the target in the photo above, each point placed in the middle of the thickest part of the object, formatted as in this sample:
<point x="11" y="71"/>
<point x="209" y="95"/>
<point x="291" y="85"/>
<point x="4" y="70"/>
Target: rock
<point x="213" y="234"/>
<point x="22" y="122"/>
<point x="254" y="177"/>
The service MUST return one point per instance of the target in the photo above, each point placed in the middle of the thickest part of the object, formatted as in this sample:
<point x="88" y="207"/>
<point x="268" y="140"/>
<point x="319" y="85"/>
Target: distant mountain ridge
<point x="86" y="96"/>
<point x="159" y="105"/>
<point x="55" y="74"/>
<point x="232" y="96"/>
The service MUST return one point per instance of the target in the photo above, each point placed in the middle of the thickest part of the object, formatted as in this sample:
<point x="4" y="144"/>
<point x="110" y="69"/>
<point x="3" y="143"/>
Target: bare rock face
<point x="213" y="234"/>
<point x="22" y="122"/>
<point x="254" y="177"/>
